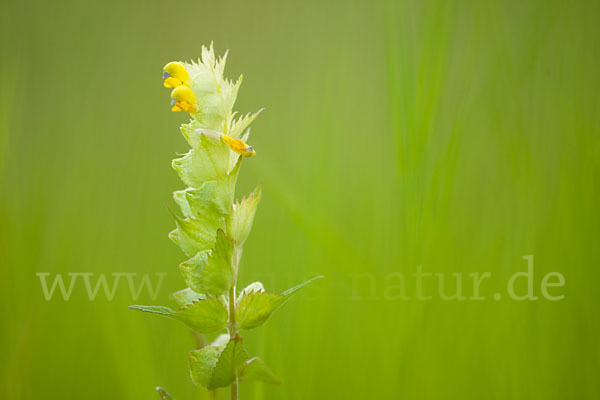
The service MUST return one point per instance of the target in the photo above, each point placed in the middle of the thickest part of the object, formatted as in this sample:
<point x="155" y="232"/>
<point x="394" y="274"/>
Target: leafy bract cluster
<point x="211" y="227"/>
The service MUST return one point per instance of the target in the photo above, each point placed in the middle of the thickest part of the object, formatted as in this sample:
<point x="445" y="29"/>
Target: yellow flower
<point x="183" y="99"/>
<point x="175" y="75"/>
<point x="239" y="146"/>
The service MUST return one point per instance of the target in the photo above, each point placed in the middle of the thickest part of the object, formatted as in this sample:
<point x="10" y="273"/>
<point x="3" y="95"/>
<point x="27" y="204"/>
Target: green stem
<point x="232" y="334"/>
<point x="234" y="390"/>
<point x="232" y="322"/>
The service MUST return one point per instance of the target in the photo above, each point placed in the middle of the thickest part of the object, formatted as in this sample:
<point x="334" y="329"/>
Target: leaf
<point x="237" y="126"/>
<point x="239" y="222"/>
<point x="253" y="287"/>
<point x="202" y="364"/>
<point x="193" y="235"/>
<point x="211" y="272"/>
<point x="191" y="133"/>
<point x="186" y="296"/>
<point x="215" y="95"/>
<point x="203" y="316"/>
<point x="255" y="308"/>
<point x="207" y="162"/>
<point x="256" y="370"/>
<point x="214" y="367"/>
<point x="225" y="189"/>
<point x="197" y="201"/>
<point x="212" y="197"/>
<point x="230" y="361"/>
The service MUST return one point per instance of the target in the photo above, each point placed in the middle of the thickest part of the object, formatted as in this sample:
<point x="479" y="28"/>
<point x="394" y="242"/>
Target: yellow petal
<point x="171" y="82"/>
<point x="185" y="99"/>
<point x="187" y="107"/>
<point x="177" y="71"/>
<point x="239" y="146"/>
<point x="183" y="93"/>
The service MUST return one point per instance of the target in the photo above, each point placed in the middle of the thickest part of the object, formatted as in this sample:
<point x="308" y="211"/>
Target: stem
<point x="232" y="334"/>
<point x="234" y="390"/>
<point x="232" y="323"/>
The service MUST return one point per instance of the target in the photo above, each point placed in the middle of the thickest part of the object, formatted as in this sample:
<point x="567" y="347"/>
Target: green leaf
<point x="186" y="296"/>
<point x="191" y="133"/>
<point x="195" y="234"/>
<point x="209" y="161"/>
<point x="239" y="222"/>
<point x="225" y="189"/>
<point x="203" y="316"/>
<point x="253" y="287"/>
<point x="194" y="202"/>
<point x="214" y="367"/>
<point x="255" y="307"/>
<point x="211" y="272"/>
<point x="215" y="95"/>
<point x="191" y="270"/>
<point x="256" y="370"/>
<point x="202" y="364"/>
<point x="237" y="126"/>
<point x="230" y="361"/>
<point x="212" y="197"/>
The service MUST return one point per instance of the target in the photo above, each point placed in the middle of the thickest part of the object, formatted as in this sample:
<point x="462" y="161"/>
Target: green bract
<point x="218" y="365"/>
<point x="211" y="227"/>
<point x="203" y="316"/>
<point x="211" y="272"/>
<point x="255" y="306"/>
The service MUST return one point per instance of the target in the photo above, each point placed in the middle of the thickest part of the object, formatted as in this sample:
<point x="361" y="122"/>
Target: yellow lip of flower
<point x="183" y="99"/>
<point x="175" y="75"/>
<point x="239" y="146"/>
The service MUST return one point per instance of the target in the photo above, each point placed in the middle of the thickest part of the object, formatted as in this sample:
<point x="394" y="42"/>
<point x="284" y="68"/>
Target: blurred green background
<point x="456" y="135"/>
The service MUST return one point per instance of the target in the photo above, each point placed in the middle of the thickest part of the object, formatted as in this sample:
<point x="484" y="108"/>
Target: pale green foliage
<point x="206" y="162"/>
<point x="186" y="296"/>
<point x="211" y="197"/>
<point x="253" y="287"/>
<point x="216" y="95"/>
<point x="216" y="366"/>
<point x="239" y="221"/>
<point x="197" y="201"/>
<point x="256" y="306"/>
<point x="211" y="230"/>
<point x="203" y="316"/>
<point x="195" y="235"/>
<point x="238" y="126"/>
<point x="211" y="272"/>
<point x="202" y="364"/>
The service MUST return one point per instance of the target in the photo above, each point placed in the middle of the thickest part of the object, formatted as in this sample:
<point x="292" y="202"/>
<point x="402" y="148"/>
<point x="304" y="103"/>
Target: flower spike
<point x="212" y="227"/>
<point x="175" y="74"/>
<point x="183" y="99"/>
